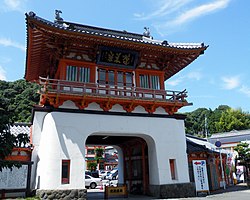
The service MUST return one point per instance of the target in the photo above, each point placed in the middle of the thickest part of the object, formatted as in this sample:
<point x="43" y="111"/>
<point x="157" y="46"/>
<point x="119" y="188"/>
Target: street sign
<point x="218" y="143"/>
<point x="200" y="176"/>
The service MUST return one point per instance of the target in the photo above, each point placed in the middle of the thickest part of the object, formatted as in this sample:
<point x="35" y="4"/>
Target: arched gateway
<point x="105" y="86"/>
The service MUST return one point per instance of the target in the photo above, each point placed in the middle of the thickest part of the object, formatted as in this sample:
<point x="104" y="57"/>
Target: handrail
<point x="81" y="88"/>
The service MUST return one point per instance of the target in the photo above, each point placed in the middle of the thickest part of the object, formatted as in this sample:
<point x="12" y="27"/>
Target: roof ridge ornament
<point x="58" y="18"/>
<point x="146" y="33"/>
<point x="32" y="14"/>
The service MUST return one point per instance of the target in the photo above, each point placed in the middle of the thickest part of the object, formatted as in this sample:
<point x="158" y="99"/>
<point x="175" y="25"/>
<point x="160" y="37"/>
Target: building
<point x="106" y="87"/>
<point x="15" y="182"/>
<point x="201" y="149"/>
<point x="109" y="161"/>
<point x="229" y="140"/>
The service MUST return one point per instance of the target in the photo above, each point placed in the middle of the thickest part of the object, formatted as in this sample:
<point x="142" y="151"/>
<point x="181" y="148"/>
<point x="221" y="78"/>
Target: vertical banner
<point x="200" y="176"/>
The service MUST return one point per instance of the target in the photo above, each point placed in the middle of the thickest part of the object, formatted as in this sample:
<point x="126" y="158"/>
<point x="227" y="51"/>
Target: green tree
<point x="98" y="156"/>
<point x="233" y="120"/>
<point x="243" y="155"/>
<point x="91" y="166"/>
<point x="195" y="122"/>
<point x="243" y="151"/>
<point x="21" y="96"/>
<point x="222" y="119"/>
<point x="215" y="117"/>
<point x="7" y="140"/>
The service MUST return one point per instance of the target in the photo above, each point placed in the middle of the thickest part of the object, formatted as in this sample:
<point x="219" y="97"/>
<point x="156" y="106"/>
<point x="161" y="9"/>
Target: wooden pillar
<point x="144" y="175"/>
<point x="27" y="193"/>
<point x="124" y="149"/>
<point x="130" y="167"/>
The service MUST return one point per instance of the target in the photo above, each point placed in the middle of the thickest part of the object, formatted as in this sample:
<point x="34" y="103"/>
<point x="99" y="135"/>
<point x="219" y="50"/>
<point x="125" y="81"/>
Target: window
<point x="65" y="171"/>
<point x="144" y="82"/>
<point x="114" y="77"/>
<point x="84" y="74"/>
<point x="91" y="151"/>
<point x="172" y="163"/>
<point x="111" y="77"/>
<point x="129" y="79"/>
<point x="149" y="81"/>
<point x="120" y="81"/>
<point x="77" y="73"/>
<point x="71" y="74"/>
<point x="102" y="76"/>
<point x="155" y="83"/>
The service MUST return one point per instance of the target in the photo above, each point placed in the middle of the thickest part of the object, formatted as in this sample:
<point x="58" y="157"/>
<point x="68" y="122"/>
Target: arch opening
<point x="133" y="159"/>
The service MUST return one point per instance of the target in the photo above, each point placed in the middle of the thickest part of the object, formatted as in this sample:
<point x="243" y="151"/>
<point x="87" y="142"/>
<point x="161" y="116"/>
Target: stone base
<point x="180" y="190"/>
<point x="80" y="194"/>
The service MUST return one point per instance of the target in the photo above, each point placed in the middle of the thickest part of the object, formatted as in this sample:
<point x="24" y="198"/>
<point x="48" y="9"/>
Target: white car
<point x="103" y="174"/>
<point x="91" y="182"/>
<point x="113" y="175"/>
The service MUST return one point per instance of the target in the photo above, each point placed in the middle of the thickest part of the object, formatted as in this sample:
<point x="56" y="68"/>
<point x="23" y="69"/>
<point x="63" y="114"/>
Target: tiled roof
<point x="195" y="144"/>
<point x="18" y="128"/>
<point x="109" y="33"/>
<point x="233" y="136"/>
<point x="233" y="133"/>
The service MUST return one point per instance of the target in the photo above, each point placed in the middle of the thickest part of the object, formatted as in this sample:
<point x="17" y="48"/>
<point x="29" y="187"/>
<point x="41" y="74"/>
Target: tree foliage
<point x="243" y="155"/>
<point x="19" y="97"/>
<point x="243" y="152"/>
<point x="91" y="166"/>
<point x="16" y="99"/>
<point x="99" y="154"/>
<point x="233" y="120"/>
<point x="222" y="119"/>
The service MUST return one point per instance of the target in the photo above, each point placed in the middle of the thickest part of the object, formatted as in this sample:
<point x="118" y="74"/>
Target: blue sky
<point x="219" y="77"/>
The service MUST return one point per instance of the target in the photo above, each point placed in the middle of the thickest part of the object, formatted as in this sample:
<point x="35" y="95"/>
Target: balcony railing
<point x="50" y="86"/>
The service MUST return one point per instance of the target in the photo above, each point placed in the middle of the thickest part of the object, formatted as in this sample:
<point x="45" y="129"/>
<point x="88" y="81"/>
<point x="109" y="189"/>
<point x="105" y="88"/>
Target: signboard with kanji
<point x="116" y="192"/>
<point x="117" y="57"/>
<point x="200" y="175"/>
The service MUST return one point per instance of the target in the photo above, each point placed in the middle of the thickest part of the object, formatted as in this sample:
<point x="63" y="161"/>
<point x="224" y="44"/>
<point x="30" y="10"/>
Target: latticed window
<point x="90" y="151"/>
<point x="84" y="74"/>
<point x="115" y="77"/>
<point x="149" y="81"/>
<point x="80" y="74"/>
<point x="155" y="83"/>
<point x="65" y="171"/>
<point x="144" y="81"/>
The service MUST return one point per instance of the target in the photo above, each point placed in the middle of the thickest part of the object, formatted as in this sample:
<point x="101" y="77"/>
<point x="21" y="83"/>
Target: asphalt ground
<point x="235" y="192"/>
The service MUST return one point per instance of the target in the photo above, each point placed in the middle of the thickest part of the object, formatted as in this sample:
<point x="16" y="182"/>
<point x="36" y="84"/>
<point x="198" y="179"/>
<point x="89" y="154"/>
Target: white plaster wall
<point x="36" y="137"/>
<point x="120" y="165"/>
<point x="64" y="136"/>
<point x="68" y="104"/>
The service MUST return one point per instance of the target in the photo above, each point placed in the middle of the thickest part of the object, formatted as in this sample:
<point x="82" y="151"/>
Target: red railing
<point x="78" y="88"/>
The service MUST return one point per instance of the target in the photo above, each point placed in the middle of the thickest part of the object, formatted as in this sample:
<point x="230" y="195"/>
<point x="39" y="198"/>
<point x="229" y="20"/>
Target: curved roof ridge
<point x="110" y="33"/>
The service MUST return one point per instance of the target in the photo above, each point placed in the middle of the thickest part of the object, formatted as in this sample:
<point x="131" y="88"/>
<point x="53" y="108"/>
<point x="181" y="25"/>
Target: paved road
<point x="238" y="192"/>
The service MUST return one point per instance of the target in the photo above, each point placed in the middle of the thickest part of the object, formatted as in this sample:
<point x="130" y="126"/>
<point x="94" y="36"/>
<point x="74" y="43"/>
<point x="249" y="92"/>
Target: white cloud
<point x="5" y="59"/>
<point x="14" y="5"/>
<point x="2" y="73"/>
<point x="171" y="15"/>
<point x="245" y="90"/>
<point x="204" y="96"/>
<point x="164" y="7"/>
<point x="9" y="43"/>
<point x="194" y="75"/>
<point x="230" y="83"/>
<point x="200" y="11"/>
<point x="174" y="82"/>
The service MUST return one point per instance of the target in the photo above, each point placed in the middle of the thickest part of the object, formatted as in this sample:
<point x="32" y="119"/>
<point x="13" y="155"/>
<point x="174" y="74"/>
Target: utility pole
<point x="206" y="127"/>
